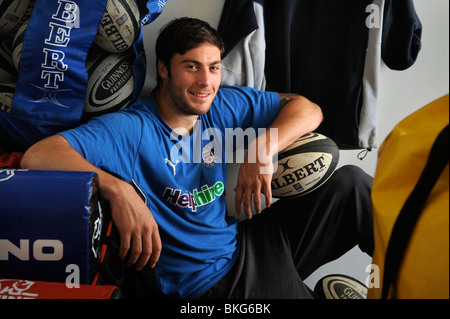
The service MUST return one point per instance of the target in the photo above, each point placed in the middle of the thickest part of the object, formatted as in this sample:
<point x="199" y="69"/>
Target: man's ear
<point x="162" y="70"/>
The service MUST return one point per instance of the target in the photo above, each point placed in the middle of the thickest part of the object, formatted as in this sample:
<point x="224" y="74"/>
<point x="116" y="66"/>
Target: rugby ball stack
<point x="110" y="83"/>
<point x="7" y="70"/>
<point x="109" y="63"/>
<point x="304" y="166"/>
<point x="13" y="14"/>
<point x="120" y="26"/>
<point x="18" y="44"/>
<point x="6" y="96"/>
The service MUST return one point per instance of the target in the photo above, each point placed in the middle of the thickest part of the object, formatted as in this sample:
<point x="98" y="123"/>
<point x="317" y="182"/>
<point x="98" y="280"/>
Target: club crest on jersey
<point x="209" y="156"/>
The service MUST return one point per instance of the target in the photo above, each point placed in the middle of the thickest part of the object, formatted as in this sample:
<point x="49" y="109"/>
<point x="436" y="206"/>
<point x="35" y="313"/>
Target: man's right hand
<point x="138" y="229"/>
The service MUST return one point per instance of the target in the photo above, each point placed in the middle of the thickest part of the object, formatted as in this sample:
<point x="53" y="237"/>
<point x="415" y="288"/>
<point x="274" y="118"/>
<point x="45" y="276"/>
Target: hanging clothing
<point x="327" y="51"/>
<point x="245" y="46"/>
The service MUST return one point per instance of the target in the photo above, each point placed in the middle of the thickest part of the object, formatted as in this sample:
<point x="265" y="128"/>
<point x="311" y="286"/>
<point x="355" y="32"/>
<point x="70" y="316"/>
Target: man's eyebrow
<point x="200" y="63"/>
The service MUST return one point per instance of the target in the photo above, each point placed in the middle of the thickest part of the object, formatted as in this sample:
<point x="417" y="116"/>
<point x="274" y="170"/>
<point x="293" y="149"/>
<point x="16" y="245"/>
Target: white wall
<point x="401" y="93"/>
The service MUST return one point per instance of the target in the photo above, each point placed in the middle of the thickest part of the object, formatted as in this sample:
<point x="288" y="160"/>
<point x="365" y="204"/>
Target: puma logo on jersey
<point x="174" y="166"/>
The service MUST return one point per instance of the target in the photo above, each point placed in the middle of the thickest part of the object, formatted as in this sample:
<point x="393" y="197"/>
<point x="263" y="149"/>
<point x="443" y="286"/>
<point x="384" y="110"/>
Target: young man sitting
<point x="180" y="240"/>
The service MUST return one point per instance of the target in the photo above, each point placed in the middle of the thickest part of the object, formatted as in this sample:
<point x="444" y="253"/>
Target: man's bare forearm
<point x="55" y="153"/>
<point x="297" y="117"/>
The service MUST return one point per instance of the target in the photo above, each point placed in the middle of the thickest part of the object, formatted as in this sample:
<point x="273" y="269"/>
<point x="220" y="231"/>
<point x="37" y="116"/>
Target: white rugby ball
<point x="13" y="14"/>
<point x="304" y="166"/>
<point x="119" y="27"/>
<point x="110" y="84"/>
<point x="340" y="287"/>
<point x="7" y="70"/>
<point x="6" y="96"/>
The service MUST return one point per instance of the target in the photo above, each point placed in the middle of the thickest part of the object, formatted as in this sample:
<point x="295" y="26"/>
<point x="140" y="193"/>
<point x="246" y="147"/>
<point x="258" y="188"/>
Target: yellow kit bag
<point x="411" y="207"/>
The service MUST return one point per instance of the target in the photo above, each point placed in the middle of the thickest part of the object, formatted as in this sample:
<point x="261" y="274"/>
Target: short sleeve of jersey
<point x="245" y="107"/>
<point x="109" y="142"/>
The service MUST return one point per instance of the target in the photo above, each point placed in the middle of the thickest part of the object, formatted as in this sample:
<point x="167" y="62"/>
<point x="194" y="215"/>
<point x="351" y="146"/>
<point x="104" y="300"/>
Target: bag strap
<point x="410" y="213"/>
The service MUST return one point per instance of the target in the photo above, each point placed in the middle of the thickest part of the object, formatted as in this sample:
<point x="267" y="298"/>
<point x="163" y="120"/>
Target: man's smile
<point x="200" y="95"/>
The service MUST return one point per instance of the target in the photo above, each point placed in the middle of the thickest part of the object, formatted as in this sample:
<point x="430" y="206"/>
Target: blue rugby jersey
<point x="182" y="177"/>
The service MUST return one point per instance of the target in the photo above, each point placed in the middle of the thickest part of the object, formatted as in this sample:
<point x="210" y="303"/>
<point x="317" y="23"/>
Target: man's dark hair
<point x="182" y="35"/>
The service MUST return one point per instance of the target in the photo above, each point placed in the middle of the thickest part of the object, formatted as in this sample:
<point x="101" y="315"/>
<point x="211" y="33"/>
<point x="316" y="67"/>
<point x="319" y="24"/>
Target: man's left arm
<point x="297" y="117"/>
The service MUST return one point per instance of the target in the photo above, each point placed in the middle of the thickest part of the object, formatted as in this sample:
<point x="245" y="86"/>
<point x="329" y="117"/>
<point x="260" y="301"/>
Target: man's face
<point x="194" y="79"/>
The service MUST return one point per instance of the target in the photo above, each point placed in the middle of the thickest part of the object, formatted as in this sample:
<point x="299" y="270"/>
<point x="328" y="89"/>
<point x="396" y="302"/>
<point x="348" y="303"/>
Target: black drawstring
<point x="362" y="155"/>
